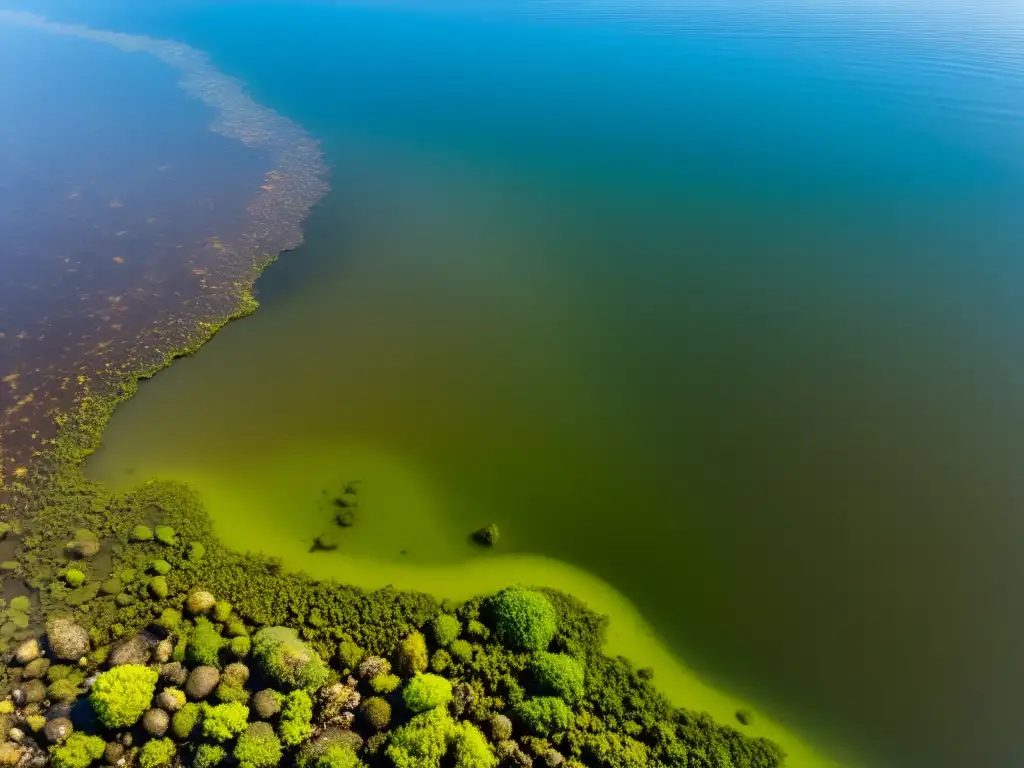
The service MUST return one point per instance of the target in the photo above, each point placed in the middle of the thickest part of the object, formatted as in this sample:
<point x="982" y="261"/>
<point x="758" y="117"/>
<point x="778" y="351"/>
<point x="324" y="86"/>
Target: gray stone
<point x="156" y="722"/>
<point x="68" y="641"/>
<point x="58" y="729"/>
<point x="201" y="682"/>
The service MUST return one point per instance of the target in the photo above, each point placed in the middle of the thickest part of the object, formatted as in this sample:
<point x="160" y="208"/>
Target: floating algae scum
<point x="223" y="273"/>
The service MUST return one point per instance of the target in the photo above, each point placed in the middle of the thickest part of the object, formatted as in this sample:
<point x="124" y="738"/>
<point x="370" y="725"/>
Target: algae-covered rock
<point x="286" y="659"/>
<point x="28" y="651"/>
<point x="68" y="640"/>
<point x="328" y="540"/>
<point x="160" y="567"/>
<point x="142" y="533"/>
<point x="266" y="703"/>
<point x="158" y="587"/>
<point x="171" y="699"/>
<point x="111" y="586"/>
<point x="29" y="692"/>
<point x="200" y="602"/>
<point x="10" y="753"/>
<point x="74" y="577"/>
<point x="488" y="535"/>
<point x="57" y="730"/>
<point x="35" y="668"/>
<point x="85" y="544"/>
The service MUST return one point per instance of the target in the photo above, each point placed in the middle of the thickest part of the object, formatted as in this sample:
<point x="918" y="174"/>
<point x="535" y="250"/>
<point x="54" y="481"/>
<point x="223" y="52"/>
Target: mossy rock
<point x="141" y="533"/>
<point x="488" y="535"/>
<point x="85" y="544"/>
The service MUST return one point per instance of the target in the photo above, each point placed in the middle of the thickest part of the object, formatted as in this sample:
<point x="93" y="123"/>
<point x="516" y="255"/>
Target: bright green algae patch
<point x="273" y="515"/>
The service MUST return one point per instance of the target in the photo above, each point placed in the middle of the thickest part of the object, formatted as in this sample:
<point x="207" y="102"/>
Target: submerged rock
<point x="328" y="540"/>
<point x="68" y="641"/>
<point x="85" y="544"/>
<point x="488" y="535"/>
<point x="58" y="729"/>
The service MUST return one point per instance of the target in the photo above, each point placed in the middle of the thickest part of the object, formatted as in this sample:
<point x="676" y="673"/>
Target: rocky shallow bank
<point x="137" y="639"/>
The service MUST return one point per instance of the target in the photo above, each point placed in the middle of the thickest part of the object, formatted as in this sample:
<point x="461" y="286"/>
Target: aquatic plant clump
<point x="287" y="660"/>
<point x="524" y="619"/>
<point x="120" y="695"/>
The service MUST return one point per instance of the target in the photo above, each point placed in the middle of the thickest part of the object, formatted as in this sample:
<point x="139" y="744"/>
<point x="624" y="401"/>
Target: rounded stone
<point x="167" y="699"/>
<point x="266" y="703"/>
<point x="200" y="603"/>
<point x="68" y="641"/>
<point x="201" y="682"/>
<point x="156" y="722"/>
<point x="32" y="691"/>
<point x="134" y="650"/>
<point x="35" y="668"/>
<point x="58" y="729"/>
<point x="113" y="753"/>
<point x="28" y="651"/>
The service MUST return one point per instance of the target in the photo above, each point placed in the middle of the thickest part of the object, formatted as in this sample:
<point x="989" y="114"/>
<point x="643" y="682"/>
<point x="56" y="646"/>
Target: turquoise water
<point x="722" y="306"/>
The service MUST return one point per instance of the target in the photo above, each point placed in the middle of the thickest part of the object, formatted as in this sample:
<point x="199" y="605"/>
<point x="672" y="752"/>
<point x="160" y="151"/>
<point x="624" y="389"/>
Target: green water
<point x="722" y="330"/>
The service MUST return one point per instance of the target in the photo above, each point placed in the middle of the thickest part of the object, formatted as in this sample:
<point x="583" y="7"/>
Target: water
<point x="721" y="307"/>
<point x="125" y="228"/>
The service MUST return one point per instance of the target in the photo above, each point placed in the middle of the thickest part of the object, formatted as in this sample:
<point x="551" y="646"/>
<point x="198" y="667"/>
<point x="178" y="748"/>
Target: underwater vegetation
<point x="167" y="648"/>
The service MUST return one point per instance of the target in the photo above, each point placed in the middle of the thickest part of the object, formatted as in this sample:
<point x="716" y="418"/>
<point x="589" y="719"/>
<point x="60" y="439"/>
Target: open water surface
<point x="721" y="306"/>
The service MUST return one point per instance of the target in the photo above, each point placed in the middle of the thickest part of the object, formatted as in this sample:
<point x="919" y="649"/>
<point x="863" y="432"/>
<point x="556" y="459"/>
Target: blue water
<point x="787" y="240"/>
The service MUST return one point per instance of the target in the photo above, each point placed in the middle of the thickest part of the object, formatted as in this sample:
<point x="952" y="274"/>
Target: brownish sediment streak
<point x="97" y="342"/>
